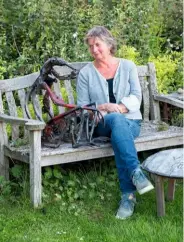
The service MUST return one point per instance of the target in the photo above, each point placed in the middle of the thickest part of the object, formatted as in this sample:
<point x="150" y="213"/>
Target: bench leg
<point x="4" y="161"/>
<point x="4" y="165"/>
<point x="35" y="167"/>
<point x="171" y="189"/>
<point x="159" y="186"/>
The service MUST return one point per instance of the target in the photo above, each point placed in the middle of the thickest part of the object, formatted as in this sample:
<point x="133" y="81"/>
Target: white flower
<point x="60" y="232"/>
<point x="75" y="35"/>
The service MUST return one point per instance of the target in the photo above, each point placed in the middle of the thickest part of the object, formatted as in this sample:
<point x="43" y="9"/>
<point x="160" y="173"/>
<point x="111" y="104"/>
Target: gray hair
<point x="104" y="34"/>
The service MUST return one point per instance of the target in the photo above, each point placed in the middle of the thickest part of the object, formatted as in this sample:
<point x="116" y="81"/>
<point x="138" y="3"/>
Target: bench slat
<point x="145" y="95"/>
<point x="155" y="109"/>
<point x="69" y="91"/>
<point x="13" y="112"/>
<point x="37" y="103"/>
<point x="18" y="82"/>
<point x="2" y="111"/>
<point x="21" y="95"/>
<point x="57" y="90"/>
<point x="1" y="103"/>
<point x="28" y="80"/>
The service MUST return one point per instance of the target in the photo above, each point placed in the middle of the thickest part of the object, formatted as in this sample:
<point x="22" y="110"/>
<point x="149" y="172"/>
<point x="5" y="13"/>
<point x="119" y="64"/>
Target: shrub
<point x="169" y="74"/>
<point x="129" y="53"/>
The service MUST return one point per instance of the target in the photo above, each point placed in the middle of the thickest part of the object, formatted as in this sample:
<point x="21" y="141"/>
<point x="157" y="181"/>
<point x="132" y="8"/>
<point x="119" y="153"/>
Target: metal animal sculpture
<point x="75" y="125"/>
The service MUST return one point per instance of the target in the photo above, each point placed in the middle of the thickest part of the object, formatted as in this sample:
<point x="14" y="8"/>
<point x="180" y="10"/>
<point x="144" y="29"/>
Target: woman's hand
<point x="113" y="107"/>
<point x="123" y="108"/>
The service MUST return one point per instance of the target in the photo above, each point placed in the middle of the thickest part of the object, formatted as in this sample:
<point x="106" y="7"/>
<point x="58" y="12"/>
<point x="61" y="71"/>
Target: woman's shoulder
<point x="86" y="69"/>
<point x="127" y="63"/>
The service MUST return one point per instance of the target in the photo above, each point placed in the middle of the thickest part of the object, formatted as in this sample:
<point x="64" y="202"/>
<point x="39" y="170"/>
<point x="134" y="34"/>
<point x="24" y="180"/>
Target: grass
<point x="96" y="223"/>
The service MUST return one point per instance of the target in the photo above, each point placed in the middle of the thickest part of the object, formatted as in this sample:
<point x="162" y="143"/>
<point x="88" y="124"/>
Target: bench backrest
<point x="13" y="91"/>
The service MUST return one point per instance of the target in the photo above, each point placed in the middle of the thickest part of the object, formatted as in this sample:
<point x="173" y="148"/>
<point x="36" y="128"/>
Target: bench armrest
<point x="30" y="124"/>
<point x="170" y="99"/>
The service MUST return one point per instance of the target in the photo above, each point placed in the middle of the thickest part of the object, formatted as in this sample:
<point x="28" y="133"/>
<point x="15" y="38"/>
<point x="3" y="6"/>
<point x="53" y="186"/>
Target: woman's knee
<point x="115" y="118"/>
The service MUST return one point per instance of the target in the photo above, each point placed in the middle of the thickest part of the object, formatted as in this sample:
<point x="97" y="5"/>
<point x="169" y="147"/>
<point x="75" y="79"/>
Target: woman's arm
<point x="83" y="97"/>
<point x="133" y="101"/>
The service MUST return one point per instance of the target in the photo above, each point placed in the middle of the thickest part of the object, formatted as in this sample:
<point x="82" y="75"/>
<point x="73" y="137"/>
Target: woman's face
<point x="98" y="48"/>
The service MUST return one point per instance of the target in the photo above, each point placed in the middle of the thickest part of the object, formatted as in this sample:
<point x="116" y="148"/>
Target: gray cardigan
<point x="93" y="87"/>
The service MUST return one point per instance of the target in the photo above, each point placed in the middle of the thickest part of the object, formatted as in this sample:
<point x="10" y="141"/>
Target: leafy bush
<point x="169" y="74"/>
<point x="73" y="185"/>
<point x="2" y="68"/>
<point x="17" y="186"/>
<point x="129" y="53"/>
<point x="32" y="31"/>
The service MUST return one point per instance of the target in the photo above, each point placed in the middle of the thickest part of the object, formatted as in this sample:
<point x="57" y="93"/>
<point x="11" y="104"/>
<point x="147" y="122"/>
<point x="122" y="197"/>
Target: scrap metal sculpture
<point x="77" y="124"/>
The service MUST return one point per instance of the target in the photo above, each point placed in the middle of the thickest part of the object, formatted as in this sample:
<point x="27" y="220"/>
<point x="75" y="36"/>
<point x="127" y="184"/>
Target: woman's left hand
<point x="123" y="108"/>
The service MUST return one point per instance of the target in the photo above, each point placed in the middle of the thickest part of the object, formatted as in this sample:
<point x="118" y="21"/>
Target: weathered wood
<point x="165" y="113"/>
<point x="2" y="112"/>
<point x="142" y="70"/>
<point x="66" y="154"/>
<point x="169" y="99"/>
<point x="31" y="123"/>
<point x="21" y="154"/>
<point x="163" y="164"/>
<point x="171" y="189"/>
<point x="38" y="105"/>
<point x="28" y="80"/>
<point x="38" y="157"/>
<point x="57" y="90"/>
<point x="167" y="163"/>
<point x="35" y="167"/>
<point x="69" y="91"/>
<point x="22" y="95"/>
<point x="13" y="112"/>
<point x="160" y="199"/>
<point x="64" y="70"/>
<point x="1" y="103"/>
<point x="155" y="109"/>
<point x="146" y="98"/>
<point x="4" y="162"/>
<point x="18" y="82"/>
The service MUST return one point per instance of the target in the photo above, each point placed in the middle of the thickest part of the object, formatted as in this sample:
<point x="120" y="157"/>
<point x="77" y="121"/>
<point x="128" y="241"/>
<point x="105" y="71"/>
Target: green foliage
<point x="173" y="25"/>
<point x="130" y="53"/>
<point x="5" y="188"/>
<point x="72" y="188"/>
<point x="169" y="72"/>
<point x="162" y="126"/>
<point x="177" y="118"/>
<point x="34" y="30"/>
<point x="53" y="222"/>
<point x="17" y="186"/>
<point x="2" y="68"/>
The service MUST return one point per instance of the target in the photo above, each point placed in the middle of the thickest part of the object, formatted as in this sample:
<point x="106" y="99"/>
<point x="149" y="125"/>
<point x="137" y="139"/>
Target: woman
<point x="113" y="84"/>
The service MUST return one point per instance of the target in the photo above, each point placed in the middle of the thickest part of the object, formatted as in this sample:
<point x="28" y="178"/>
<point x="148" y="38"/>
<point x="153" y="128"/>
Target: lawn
<point x="95" y="221"/>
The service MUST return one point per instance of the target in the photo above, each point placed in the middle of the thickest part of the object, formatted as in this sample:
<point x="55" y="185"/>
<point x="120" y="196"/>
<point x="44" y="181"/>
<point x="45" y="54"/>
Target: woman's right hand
<point x="113" y="108"/>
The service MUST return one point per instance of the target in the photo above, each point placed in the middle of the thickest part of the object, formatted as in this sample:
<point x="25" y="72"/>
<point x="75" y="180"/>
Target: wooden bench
<point x="152" y="136"/>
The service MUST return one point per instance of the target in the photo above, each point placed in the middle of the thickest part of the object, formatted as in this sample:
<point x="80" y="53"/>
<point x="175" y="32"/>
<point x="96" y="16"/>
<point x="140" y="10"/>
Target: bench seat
<point x="150" y="138"/>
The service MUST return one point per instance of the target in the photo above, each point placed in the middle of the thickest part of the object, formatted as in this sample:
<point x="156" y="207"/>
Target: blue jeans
<point x="122" y="132"/>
